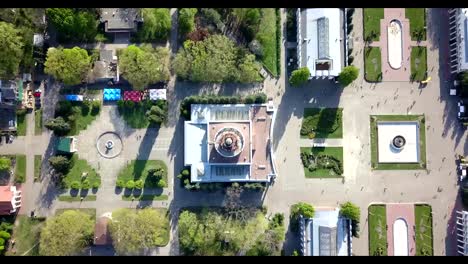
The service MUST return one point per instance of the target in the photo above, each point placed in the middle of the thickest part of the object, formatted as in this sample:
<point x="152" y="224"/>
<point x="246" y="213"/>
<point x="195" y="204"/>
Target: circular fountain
<point x="398" y="142"/>
<point x="109" y="145"/>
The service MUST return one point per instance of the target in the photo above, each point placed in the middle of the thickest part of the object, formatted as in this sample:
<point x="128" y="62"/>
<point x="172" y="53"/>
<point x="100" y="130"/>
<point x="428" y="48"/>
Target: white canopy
<point x="157" y="94"/>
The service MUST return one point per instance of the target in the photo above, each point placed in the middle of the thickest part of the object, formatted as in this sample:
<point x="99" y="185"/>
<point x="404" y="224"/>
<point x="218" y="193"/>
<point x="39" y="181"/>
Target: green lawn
<point x="20" y="173"/>
<point x="423" y="218"/>
<point x="377" y="229"/>
<point x="80" y="166"/>
<point x="138" y="169"/>
<point x="38" y="122"/>
<point x="325" y="122"/>
<point x="371" y="17"/>
<point x="267" y="37"/>
<point x="336" y="152"/>
<point x="37" y="167"/>
<point x="26" y="235"/>
<point x="83" y="118"/>
<point x="136" y="117"/>
<point x="373" y="64"/>
<point x="374" y="143"/>
<point x="146" y="197"/>
<point x="21" y="124"/>
<point x="418" y="63"/>
<point x="417" y="19"/>
<point x="68" y="198"/>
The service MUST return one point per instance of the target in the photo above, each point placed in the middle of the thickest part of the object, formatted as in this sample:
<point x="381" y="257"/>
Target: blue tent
<point x="111" y="94"/>
<point x="73" y="97"/>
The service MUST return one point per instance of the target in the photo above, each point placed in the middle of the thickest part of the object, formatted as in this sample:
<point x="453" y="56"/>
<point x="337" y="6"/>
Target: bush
<point x="120" y="183"/>
<point x="4" y="234"/>
<point x="304" y="209"/>
<point x="75" y="185"/>
<point x="5" y="163"/>
<point x="295" y="253"/>
<point x="85" y="184"/>
<point x="299" y="76"/>
<point x="351" y="211"/>
<point x="85" y="108"/>
<point x="348" y="75"/>
<point x="60" y="163"/>
<point x="185" y="172"/>
<point x="120" y="105"/>
<point x="161" y="184"/>
<point x="256" y="48"/>
<point x="260" y="98"/>
<point x="58" y="125"/>
<point x="64" y="108"/>
<point x="186" y="20"/>
<point x="138" y="184"/>
<point x="130" y="184"/>
<point x="277" y="220"/>
<point x="96" y="184"/>
<point x="96" y="107"/>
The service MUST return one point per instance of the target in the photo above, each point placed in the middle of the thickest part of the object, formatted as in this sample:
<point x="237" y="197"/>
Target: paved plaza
<point x="437" y="185"/>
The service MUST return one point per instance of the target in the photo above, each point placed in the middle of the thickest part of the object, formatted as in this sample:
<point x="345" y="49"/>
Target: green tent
<point x="66" y="145"/>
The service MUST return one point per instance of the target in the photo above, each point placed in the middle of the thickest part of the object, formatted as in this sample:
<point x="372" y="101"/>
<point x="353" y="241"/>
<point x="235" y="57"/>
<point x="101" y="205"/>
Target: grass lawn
<point x="373" y="64"/>
<point x="26" y="235"/>
<point x="417" y="19"/>
<point x="138" y="169"/>
<point x="21" y="124"/>
<point x="83" y="118"/>
<point x="372" y="18"/>
<point x="423" y="218"/>
<point x="20" y="172"/>
<point x="38" y="122"/>
<point x="336" y="152"/>
<point x="146" y="197"/>
<point x="37" y="167"/>
<point x="90" y="211"/>
<point x="80" y="166"/>
<point x="136" y="117"/>
<point x="68" y="198"/>
<point x="377" y="229"/>
<point x="325" y="122"/>
<point x="418" y="63"/>
<point x="398" y="166"/>
<point x="267" y="37"/>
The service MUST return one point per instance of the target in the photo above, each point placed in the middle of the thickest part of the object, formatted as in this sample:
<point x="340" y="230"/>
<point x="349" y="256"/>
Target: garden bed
<point x="373" y="64"/>
<point x="371" y="17"/>
<point x="37" y="167"/>
<point x="139" y="170"/>
<point x="377" y="230"/>
<point x="417" y="21"/>
<point x="135" y="116"/>
<point x="418" y="63"/>
<point x="20" y="172"/>
<point x="374" y="143"/>
<point x="322" y="122"/>
<point x="145" y="197"/>
<point x="78" y="167"/>
<point x="69" y="198"/>
<point x="78" y="114"/>
<point x="21" y="124"/>
<point x="423" y="233"/>
<point x="329" y="162"/>
<point x="267" y="37"/>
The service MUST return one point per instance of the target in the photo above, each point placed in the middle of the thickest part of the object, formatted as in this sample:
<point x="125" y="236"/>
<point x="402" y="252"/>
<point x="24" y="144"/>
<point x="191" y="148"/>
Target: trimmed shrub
<point x="185" y="172"/>
<point x="139" y="184"/>
<point x="75" y="185"/>
<point x="130" y="184"/>
<point x="161" y="184"/>
<point x="120" y="183"/>
<point x="96" y="184"/>
<point x="85" y="184"/>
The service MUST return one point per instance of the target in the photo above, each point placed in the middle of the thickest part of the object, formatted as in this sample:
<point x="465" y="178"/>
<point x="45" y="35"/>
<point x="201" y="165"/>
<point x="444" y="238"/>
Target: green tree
<point x="299" y="76"/>
<point x="304" y="209"/>
<point x="156" y="114"/>
<point x="73" y="25"/>
<point x="133" y="231"/>
<point x="144" y="65"/>
<point x="351" y="211"/>
<point x="11" y="50"/>
<point x="68" y="65"/>
<point x="187" y="20"/>
<point x="58" y="125"/>
<point x="157" y="24"/>
<point x="348" y="75"/>
<point x="5" y="163"/>
<point x="249" y="69"/>
<point x="66" y="234"/>
<point x="60" y="163"/>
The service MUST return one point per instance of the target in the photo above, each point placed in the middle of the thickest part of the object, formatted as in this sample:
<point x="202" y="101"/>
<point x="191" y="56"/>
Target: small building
<point x="9" y="94"/>
<point x="230" y="143"/>
<point x="105" y="69"/>
<point x="101" y="232"/>
<point x="66" y="145"/>
<point x="462" y="233"/>
<point x="121" y="20"/>
<point x="326" y="234"/>
<point x="321" y="41"/>
<point x="458" y="39"/>
<point x="10" y="200"/>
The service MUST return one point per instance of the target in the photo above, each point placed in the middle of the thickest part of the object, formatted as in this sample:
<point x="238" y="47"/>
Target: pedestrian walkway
<point x="321" y="142"/>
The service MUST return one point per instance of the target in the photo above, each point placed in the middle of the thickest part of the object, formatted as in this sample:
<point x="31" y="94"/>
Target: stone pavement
<point x="325" y="142"/>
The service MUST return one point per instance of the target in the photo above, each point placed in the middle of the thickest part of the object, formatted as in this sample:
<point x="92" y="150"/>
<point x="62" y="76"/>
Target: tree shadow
<point x="144" y="151"/>
<point x="291" y="241"/>
<point x="451" y="245"/>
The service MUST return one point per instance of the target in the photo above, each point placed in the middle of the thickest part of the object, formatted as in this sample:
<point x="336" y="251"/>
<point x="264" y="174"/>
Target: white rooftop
<point x="387" y="131"/>
<point x="320" y="40"/>
<point x="462" y="38"/>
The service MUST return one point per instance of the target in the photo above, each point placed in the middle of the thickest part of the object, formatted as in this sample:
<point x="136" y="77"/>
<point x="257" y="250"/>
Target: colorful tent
<point x="111" y="94"/>
<point x="73" y="97"/>
<point x="157" y="94"/>
<point x="134" y="96"/>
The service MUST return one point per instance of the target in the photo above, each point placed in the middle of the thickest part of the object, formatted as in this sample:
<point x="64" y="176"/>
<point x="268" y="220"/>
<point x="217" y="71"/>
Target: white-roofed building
<point x="229" y="143"/>
<point x="321" y="41"/>
<point x="458" y="23"/>
<point x="326" y="234"/>
<point x="462" y="232"/>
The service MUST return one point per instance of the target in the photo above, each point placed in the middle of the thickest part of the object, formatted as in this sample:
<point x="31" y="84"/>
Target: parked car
<point x="461" y="110"/>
